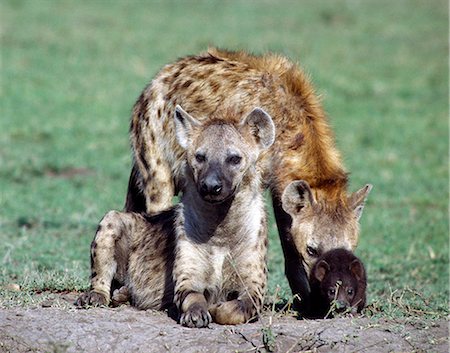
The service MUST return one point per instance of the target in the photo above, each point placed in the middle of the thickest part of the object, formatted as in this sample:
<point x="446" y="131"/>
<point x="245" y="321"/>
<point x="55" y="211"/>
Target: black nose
<point x="211" y="185"/>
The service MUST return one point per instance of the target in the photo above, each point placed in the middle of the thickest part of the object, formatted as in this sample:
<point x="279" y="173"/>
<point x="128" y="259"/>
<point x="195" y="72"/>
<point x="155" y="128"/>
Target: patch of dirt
<point x="55" y="327"/>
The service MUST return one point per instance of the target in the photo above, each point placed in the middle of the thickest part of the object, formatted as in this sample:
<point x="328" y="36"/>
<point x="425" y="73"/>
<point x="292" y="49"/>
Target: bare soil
<point x="56" y="326"/>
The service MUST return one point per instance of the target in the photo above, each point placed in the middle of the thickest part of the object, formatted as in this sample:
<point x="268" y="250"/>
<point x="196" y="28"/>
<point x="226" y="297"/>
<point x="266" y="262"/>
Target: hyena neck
<point x="207" y="222"/>
<point x="308" y="153"/>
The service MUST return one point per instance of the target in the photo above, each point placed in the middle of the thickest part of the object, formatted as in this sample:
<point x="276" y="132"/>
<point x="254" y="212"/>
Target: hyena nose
<point x="216" y="189"/>
<point x="341" y="305"/>
<point x="211" y="186"/>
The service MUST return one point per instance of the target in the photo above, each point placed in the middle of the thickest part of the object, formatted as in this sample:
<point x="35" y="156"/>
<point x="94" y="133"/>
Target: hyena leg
<point x="189" y="275"/>
<point x="109" y="253"/>
<point x="135" y="201"/>
<point x="155" y="179"/>
<point x="294" y="269"/>
<point x="248" y="305"/>
<point x="159" y="189"/>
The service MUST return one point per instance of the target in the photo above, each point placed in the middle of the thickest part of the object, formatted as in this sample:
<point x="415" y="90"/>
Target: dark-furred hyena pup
<point x="338" y="284"/>
<point x="208" y="253"/>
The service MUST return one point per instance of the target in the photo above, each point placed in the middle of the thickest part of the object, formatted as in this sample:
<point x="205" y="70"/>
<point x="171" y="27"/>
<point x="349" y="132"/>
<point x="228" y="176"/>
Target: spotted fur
<point x="207" y="255"/>
<point x="304" y="147"/>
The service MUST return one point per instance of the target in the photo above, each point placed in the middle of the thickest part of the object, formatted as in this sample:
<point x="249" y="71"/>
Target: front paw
<point x="233" y="312"/>
<point x="120" y="296"/>
<point x="91" y="298"/>
<point x="196" y="316"/>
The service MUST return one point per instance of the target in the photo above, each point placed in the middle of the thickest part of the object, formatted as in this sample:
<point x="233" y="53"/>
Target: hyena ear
<point x="358" y="199"/>
<point x="357" y="268"/>
<point x="297" y="195"/>
<point x="261" y="126"/>
<point x="184" y="124"/>
<point x="321" y="270"/>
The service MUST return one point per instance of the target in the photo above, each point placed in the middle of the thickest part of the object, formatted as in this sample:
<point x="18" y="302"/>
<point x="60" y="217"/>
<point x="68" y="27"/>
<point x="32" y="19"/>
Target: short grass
<point x="71" y="71"/>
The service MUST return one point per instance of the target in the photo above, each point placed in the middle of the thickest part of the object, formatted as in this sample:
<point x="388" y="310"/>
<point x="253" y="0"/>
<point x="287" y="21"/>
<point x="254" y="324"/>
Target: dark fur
<point x="338" y="265"/>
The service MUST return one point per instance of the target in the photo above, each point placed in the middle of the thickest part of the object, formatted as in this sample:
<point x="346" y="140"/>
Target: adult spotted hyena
<point x="207" y="254"/>
<point x="303" y="150"/>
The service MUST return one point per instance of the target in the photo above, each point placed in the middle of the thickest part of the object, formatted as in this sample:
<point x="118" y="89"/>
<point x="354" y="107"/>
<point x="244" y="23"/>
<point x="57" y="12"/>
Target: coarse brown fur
<point x="338" y="284"/>
<point x="303" y="150"/>
<point x="207" y="254"/>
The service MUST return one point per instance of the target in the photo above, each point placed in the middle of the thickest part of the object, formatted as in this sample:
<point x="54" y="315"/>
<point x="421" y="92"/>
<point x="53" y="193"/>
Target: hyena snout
<point x="211" y="185"/>
<point x="342" y="303"/>
<point x="342" y="306"/>
<point x="214" y="186"/>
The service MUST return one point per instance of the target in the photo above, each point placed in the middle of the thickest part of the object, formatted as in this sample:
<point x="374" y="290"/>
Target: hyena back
<point x="323" y="217"/>
<point x="207" y="254"/>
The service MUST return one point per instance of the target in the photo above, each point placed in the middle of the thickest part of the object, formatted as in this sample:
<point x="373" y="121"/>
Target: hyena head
<point x="342" y="279"/>
<point x="319" y="226"/>
<point x="219" y="152"/>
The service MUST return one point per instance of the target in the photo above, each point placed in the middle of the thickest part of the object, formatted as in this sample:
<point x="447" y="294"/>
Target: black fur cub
<point x="338" y="284"/>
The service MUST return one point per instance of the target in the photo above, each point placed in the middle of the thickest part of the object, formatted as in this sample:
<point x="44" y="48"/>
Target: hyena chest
<point x="222" y="276"/>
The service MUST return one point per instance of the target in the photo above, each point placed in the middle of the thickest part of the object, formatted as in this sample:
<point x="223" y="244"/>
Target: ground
<point x="55" y="325"/>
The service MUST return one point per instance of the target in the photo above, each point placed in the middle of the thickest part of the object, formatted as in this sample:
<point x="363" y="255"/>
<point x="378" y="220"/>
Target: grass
<point x="71" y="71"/>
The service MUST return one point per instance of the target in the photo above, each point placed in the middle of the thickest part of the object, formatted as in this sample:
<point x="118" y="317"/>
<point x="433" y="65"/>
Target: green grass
<point x="71" y="71"/>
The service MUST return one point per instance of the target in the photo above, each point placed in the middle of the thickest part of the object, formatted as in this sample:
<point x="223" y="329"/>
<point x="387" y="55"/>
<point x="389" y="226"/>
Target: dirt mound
<point x="125" y="329"/>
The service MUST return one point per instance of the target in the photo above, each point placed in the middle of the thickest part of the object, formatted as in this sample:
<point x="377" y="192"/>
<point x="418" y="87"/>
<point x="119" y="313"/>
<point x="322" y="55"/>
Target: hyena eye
<point x="312" y="252"/>
<point x="200" y="157"/>
<point x="234" y="160"/>
<point x="350" y="291"/>
<point x="332" y="291"/>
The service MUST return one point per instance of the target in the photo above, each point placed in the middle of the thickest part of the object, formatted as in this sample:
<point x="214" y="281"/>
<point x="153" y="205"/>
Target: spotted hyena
<point x="303" y="150"/>
<point x="338" y="284"/>
<point x="208" y="253"/>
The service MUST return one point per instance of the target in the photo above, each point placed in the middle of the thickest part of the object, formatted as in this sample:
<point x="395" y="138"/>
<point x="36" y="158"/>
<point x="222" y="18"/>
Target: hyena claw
<point x="91" y="298"/>
<point x="196" y="316"/>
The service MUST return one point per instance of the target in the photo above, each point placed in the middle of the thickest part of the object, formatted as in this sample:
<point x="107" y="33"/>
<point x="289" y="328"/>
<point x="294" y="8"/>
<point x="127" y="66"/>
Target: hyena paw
<point x="233" y="312"/>
<point x="91" y="298"/>
<point x="120" y="296"/>
<point x="196" y="316"/>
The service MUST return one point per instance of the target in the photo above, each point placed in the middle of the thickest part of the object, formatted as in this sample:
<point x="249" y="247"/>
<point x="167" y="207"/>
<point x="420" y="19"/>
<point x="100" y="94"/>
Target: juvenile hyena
<point x="207" y="254"/>
<point x="303" y="149"/>
<point x="338" y="284"/>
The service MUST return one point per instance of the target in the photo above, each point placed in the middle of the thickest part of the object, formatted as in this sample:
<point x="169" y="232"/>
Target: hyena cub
<point x="338" y="284"/>
<point x="208" y="253"/>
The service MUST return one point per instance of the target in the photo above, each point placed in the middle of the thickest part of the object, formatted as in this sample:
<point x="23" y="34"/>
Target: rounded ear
<point x="296" y="196"/>
<point x="184" y="124"/>
<point x="321" y="269"/>
<point x="358" y="199"/>
<point x="261" y="126"/>
<point x="357" y="268"/>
